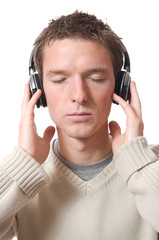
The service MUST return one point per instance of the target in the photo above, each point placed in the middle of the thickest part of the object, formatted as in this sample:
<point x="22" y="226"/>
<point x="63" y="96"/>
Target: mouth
<point x="78" y="117"/>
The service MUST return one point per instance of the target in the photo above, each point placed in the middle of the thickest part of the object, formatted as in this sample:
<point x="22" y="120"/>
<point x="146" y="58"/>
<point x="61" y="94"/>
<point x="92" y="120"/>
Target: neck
<point x="87" y="150"/>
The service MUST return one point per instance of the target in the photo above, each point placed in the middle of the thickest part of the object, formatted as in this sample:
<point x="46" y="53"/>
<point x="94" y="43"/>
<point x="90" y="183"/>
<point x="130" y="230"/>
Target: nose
<point x="78" y="91"/>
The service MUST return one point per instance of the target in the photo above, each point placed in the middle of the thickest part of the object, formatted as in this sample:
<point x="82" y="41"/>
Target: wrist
<point x="133" y="156"/>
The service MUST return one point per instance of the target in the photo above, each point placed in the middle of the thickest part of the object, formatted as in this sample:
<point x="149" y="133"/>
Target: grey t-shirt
<point x="84" y="171"/>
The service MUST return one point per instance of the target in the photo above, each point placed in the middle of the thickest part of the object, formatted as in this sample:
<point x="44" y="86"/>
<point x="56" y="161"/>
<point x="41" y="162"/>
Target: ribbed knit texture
<point x="68" y="208"/>
<point x="133" y="156"/>
<point x="23" y="169"/>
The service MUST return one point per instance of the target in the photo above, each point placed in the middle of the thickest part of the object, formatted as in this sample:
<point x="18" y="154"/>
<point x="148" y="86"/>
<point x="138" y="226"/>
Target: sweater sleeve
<point x="138" y="165"/>
<point x="21" y="177"/>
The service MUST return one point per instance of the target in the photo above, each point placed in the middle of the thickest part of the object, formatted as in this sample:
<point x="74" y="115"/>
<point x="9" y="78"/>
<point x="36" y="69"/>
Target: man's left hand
<point x="134" y="123"/>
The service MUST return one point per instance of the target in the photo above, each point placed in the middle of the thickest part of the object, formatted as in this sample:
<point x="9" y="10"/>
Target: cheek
<point x="105" y="95"/>
<point x="52" y="99"/>
<point x="54" y="111"/>
<point x="105" y="102"/>
<point x="50" y="93"/>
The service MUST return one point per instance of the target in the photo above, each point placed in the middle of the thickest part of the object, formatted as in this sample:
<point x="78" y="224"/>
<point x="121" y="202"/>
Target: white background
<point x="21" y="21"/>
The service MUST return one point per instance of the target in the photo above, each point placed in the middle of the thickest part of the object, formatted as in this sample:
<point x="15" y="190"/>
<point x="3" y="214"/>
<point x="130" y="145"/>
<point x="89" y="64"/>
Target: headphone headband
<point x="31" y="63"/>
<point x="126" y="61"/>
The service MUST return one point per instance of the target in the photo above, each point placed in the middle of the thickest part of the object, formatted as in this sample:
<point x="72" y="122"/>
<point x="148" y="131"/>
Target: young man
<point x="88" y="184"/>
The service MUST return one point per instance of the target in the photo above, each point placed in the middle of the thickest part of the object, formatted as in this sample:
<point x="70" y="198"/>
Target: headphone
<point x="122" y="81"/>
<point x="35" y="83"/>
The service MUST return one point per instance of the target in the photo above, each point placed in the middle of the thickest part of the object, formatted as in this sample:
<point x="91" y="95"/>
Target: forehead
<point x="75" y="52"/>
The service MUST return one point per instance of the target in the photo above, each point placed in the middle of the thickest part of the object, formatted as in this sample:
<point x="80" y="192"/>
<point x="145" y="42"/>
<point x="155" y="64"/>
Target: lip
<point x="82" y="116"/>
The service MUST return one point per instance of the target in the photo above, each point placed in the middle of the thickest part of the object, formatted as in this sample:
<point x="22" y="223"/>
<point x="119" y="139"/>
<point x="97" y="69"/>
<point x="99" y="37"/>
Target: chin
<point x="79" y="132"/>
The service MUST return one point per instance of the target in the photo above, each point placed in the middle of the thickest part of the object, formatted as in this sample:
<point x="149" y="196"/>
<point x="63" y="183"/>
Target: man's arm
<point x="21" y="178"/>
<point x="138" y="165"/>
<point x="21" y="174"/>
<point x="36" y="146"/>
<point x="135" y="161"/>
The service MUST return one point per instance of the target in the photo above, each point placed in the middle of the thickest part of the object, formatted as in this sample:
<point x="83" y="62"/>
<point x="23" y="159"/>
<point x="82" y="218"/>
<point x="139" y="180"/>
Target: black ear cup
<point x="123" y="79"/>
<point x="122" y="85"/>
<point x="35" y="83"/>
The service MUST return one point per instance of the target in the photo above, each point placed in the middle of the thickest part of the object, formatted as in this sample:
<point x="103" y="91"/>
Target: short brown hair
<point x="81" y="26"/>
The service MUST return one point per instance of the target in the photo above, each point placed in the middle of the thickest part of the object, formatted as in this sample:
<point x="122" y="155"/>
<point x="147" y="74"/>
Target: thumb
<point x="114" y="129"/>
<point x="49" y="133"/>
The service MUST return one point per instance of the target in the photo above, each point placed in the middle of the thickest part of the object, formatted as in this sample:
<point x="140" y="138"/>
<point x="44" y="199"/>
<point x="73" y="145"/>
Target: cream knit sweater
<point x="50" y="202"/>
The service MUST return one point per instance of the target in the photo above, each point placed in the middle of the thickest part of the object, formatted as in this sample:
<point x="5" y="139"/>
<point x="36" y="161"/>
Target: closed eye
<point x="97" y="79"/>
<point x="60" y="80"/>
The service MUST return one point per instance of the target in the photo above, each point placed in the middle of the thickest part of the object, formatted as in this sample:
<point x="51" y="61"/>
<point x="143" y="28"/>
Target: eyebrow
<point x="58" y="71"/>
<point x="96" y="70"/>
<point x="88" y="71"/>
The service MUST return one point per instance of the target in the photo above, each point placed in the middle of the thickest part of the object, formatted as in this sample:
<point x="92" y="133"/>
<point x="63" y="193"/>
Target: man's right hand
<point x="28" y="139"/>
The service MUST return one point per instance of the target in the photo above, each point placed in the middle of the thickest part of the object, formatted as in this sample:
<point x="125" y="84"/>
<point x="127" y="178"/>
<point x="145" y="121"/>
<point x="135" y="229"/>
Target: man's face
<point x="78" y="82"/>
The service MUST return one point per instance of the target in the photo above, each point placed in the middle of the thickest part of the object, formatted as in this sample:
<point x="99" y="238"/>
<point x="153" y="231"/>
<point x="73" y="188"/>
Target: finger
<point x="135" y="100"/>
<point x="28" y="99"/>
<point x="134" y="92"/>
<point x="28" y="104"/>
<point x="26" y="96"/>
<point x="49" y="133"/>
<point x="134" y="105"/>
<point x="114" y="129"/>
<point x="125" y="106"/>
<point x="34" y="99"/>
